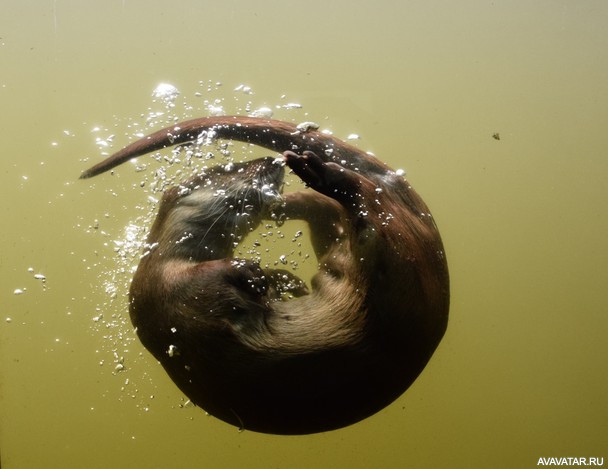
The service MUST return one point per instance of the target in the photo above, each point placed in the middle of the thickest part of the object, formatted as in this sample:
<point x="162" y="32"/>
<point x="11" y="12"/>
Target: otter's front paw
<point x="284" y="282"/>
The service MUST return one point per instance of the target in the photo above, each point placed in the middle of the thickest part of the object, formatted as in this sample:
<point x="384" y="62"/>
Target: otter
<point x="254" y="347"/>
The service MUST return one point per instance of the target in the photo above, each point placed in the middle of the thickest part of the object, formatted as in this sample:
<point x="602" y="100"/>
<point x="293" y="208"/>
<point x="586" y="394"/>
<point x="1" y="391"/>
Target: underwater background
<point x="497" y="111"/>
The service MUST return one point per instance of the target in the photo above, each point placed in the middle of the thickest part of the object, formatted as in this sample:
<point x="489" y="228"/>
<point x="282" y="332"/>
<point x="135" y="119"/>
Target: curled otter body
<point x="220" y="327"/>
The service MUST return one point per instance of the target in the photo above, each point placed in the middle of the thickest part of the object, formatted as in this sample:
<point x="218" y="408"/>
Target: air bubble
<point x="291" y="106"/>
<point x="307" y="126"/>
<point x="172" y="351"/>
<point x="262" y="112"/>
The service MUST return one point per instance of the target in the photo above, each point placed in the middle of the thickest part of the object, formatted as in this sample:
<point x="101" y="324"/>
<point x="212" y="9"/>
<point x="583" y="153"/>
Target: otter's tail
<point x="272" y="134"/>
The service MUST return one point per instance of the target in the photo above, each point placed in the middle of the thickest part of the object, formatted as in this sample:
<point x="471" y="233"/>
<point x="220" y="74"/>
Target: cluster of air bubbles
<point x="216" y="109"/>
<point x="218" y="106"/>
<point x="37" y="276"/>
<point x="290" y="106"/>
<point x="225" y="149"/>
<point x="104" y="140"/>
<point x="166" y="93"/>
<point x="119" y="363"/>
<point x="131" y="243"/>
<point x="214" y="103"/>
<point x="244" y="88"/>
<point x="66" y="133"/>
<point x="210" y="85"/>
<point x="274" y="247"/>
<point x="103" y="143"/>
<point x="386" y="218"/>
<point x="110" y="319"/>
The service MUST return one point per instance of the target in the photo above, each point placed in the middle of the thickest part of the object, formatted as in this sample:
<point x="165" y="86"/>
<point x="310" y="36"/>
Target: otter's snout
<point x="267" y="175"/>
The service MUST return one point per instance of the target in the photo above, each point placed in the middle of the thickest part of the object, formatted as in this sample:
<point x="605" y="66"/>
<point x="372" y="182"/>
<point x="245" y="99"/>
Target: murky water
<point x="496" y="111"/>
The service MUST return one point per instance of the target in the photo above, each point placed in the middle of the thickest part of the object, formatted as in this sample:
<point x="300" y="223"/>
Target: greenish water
<point x="521" y="373"/>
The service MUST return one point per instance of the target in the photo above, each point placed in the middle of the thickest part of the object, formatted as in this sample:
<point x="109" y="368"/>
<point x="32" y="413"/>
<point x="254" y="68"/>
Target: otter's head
<point x="206" y="216"/>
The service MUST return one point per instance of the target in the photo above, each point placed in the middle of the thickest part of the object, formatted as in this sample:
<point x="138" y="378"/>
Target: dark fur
<point x="319" y="361"/>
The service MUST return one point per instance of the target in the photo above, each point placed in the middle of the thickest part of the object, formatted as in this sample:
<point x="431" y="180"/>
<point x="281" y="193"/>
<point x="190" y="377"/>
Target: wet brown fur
<point x="323" y="359"/>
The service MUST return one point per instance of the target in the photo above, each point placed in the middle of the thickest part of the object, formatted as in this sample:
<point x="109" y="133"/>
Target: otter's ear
<point x="328" y="178"/>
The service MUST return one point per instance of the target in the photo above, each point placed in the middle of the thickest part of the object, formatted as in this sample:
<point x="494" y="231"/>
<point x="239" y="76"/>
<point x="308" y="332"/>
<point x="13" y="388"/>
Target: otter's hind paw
<point x="328" y="178"/>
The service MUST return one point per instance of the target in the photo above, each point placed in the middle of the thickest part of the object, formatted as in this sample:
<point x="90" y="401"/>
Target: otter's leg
<point x="325" y="217"/>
